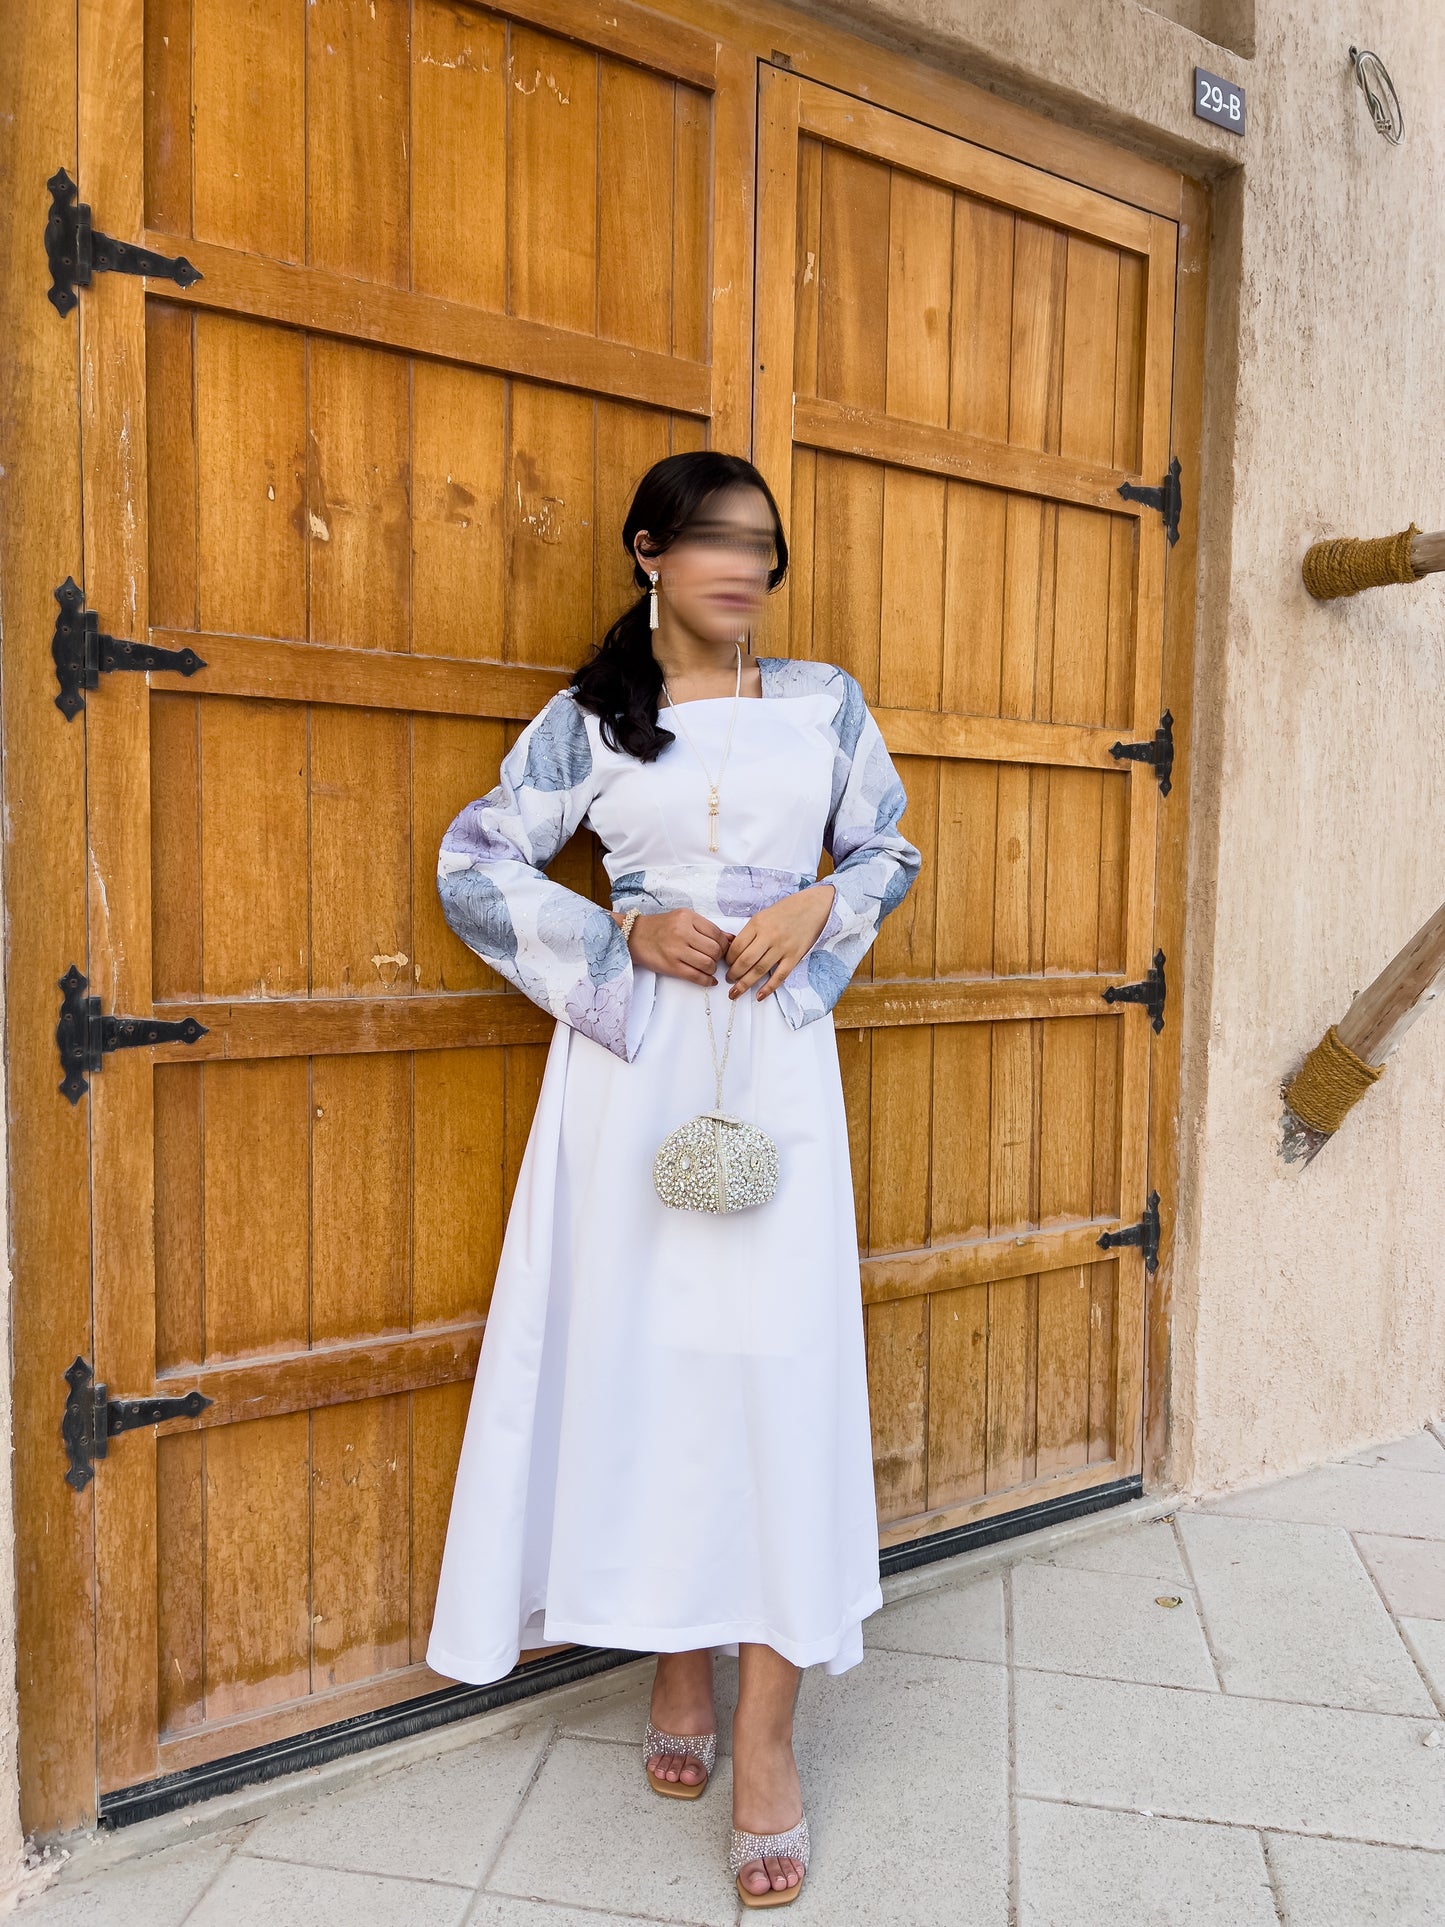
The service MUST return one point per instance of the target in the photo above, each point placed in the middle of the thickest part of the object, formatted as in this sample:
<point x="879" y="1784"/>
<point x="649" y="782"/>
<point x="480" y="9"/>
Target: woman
<point x="668" y="1445"/>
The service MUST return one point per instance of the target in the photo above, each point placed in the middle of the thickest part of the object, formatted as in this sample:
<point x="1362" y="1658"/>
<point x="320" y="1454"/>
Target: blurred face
<point x="714" y="577"/>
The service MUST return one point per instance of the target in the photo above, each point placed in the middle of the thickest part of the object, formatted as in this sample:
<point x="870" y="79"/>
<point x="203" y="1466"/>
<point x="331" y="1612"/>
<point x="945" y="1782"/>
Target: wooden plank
<point x="358" y="496"/>
<point x="872" y="436"/>
<point x="117" y="744"/>
<point x="257" y="1565"/>
<point x="459" y="151"/>
<point x="358" y="113"/>
<point x="635" y="145"/>
<point x="1172" y="867"/>
<point x="323" y="1026"/>
<point x="846" y="121"/>
<point x="680" y="50"/>
<point x="301" y="672"/>
<point x="552" y="188"/>
<point x="980" y="1261"/>
<point x="218" y="1739"/>
<point x="325" y="302"/>
<point x="361" y="1196"/>
<point x="996" y="1504"/>
<point x="360" y="1541"/>
<point x="728" y="289"/>
<point x="774" y="323"/>
<point x="256" y="1184"/>
<point x="338" y="1374"/>
<point x="990" y="739"/>
<point x="244" y="134"/>
<point x="897" y="1341"/>
<point x="47" y="1142"/>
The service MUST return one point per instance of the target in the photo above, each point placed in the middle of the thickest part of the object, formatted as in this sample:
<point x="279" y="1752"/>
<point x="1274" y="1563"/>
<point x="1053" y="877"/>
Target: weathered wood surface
<point x="1376" y="1022"/>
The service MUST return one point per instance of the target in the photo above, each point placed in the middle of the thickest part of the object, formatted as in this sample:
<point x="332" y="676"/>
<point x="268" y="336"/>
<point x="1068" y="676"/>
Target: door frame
<point x="54" y="483"/>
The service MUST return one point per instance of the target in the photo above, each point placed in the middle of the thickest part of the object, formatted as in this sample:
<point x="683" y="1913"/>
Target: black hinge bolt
<point x="1144" y="1235"/>
<point x="77" y="251"/>
<point x="92" y="1418"/>
<point x="82" y="651"/>
<point x="1168" y="498"/>
<point x="85" y="1033"/>
<point x="1150" y="992"/>
<point x="1158" y="751"/>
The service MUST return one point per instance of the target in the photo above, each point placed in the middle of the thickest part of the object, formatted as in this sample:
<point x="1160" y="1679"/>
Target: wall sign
<point x="1218" y="100"/>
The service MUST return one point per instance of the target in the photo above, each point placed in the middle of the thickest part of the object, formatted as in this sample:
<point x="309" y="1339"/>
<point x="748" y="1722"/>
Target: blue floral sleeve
<point x="874" y="864"/>
<point x="561" y="949"/>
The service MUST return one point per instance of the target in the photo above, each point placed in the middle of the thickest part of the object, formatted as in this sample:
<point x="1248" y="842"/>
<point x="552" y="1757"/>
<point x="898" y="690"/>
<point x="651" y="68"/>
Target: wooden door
<point x="960" y="359"/>
<point x="466" y="274"/>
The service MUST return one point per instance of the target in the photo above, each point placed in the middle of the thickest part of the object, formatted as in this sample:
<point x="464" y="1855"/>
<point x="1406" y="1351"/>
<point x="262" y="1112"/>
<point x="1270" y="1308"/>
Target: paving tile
<point x="1420" y="1452"/>
<point x="1427" y="1636"/>
<point x="1292" y="1614"/>
<point x="1411" y="1572"/>
<point x="1147" y="1549"/>
<point x="904" y="1763"/>
<point x="1340" y="1883"/>
<point x="1214" y="1756"/>
<point x="956" y="1622"/>
<point x="1082" y="1867"/>
<point x="159" y="1889"/>
<point x="1361" y="1498"/>
<point x="505" y="1910"/>
<point x="1107" y="1624"/>
<point x="441" y="1819"/>
<point x="275" y="1893"/>
<point x="592" y="1834"/>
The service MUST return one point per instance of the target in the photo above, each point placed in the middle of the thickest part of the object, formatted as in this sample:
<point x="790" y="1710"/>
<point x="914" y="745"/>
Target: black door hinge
<point x="76" y="250"/>
<point x="1159" y="751"/>
<point x="82" y="651"/>
<point x="84" y="1034"/>
<point x="1145" y="1235"/>
<point x="1168" y="498"/>
<point x="1150" y="993"/>
<point x="92" y="1418"/>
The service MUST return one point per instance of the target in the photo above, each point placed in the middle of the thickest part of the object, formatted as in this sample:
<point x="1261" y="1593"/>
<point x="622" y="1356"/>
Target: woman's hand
<point x="677" y="943"/>
<point x="771" y="943"/>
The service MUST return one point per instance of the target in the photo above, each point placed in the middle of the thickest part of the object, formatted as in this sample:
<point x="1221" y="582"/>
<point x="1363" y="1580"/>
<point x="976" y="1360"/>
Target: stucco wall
<point x="1310" y="1306"/>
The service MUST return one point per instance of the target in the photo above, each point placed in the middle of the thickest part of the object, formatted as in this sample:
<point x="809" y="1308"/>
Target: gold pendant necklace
<point x="712" y="782"/>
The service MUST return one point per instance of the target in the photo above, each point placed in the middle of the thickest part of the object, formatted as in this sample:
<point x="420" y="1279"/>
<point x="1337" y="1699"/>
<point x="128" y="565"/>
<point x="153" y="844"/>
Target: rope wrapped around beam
<point x="1348" y="564"/>
<point x="1329" y="1083"/>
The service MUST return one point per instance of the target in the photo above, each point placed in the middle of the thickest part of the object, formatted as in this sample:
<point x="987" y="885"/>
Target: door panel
<point x="960" y="359"/>
<point x="389" y="439"/>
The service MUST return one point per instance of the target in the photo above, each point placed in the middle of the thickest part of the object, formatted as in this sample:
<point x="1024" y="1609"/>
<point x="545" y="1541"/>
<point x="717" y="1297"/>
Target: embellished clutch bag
<point x="716" y="1162"/>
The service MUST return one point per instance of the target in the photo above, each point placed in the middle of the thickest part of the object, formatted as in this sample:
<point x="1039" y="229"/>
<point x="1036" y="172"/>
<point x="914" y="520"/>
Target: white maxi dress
<point x="668" y="1441"/>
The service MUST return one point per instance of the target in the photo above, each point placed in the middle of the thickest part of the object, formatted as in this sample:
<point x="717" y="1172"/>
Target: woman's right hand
<point x="678" y="943"/>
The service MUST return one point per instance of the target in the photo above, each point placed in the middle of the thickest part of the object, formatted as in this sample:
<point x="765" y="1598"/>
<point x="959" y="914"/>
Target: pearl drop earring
<point x="652" y="600"/>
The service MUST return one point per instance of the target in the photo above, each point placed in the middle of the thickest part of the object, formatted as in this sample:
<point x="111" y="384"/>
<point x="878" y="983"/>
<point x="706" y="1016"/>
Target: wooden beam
<point x="1371" y="1031"/>
<point x="323" y="302"/>
<point x="1376" y="1021"/>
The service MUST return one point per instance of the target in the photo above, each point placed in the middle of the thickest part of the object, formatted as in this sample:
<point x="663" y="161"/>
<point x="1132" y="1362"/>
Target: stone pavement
<point x="1231" y="1715"/>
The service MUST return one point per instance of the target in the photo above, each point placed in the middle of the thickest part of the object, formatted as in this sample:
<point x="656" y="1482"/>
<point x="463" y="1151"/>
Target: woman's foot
<point x="767" y="1795"/>
<point x="682" y="1703"/>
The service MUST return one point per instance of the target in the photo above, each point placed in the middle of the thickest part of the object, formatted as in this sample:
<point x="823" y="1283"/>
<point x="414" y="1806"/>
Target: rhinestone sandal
<point x="701" y="1747"/>
<point x="792" y="1845"/>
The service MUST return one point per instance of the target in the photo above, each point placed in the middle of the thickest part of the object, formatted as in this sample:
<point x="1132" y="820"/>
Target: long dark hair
<point x="622" y="680"/>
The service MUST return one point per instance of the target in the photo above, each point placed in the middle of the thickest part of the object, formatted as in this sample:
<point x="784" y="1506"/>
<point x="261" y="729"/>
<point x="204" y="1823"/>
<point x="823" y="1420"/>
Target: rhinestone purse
<point x="716" y="1162"/>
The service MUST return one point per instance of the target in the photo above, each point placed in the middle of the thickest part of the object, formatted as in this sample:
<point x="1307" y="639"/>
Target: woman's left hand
<point x="774" y="941"/>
